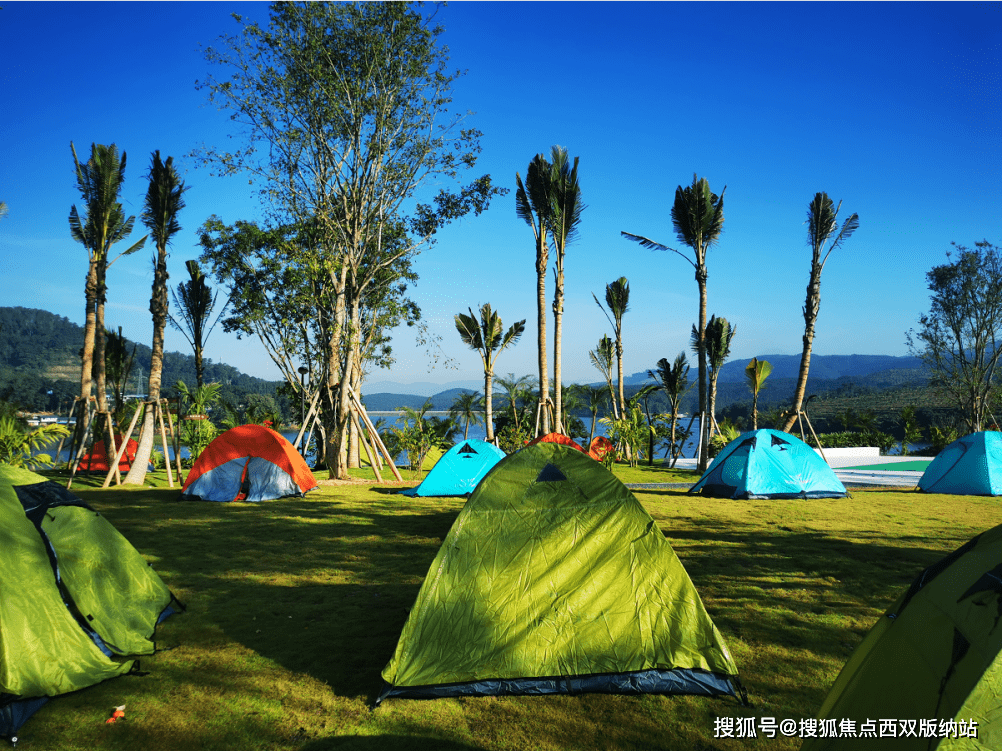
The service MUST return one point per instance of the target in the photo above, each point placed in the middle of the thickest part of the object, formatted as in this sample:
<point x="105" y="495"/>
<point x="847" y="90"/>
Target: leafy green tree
<point x="959" y="338"/>
<point x="533" y="206"/>
<point x="601" y="358"/>
<point x="911" y="432"/>
<point x="617" y="299"/>
<point x="164" y="201"/>
<point x="593" y="399"/>
<point x="698" y="218"/>
<point x="467" y="408"/>
<point x="18" y="445"/>
<point x="822" y="227"/>
<point x="487" y="336"/>
<point x="99" y="226"/>
<point x="345" y="108"/>
<point x="756" y="372"/>
<point x="673" y="380"/>
<point x="197" y="430"/>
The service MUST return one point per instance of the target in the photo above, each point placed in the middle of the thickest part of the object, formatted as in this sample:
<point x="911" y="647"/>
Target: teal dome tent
<point x="459" y="470"/>
<point x="769" y="464"/>
<point x="971" y="465"/>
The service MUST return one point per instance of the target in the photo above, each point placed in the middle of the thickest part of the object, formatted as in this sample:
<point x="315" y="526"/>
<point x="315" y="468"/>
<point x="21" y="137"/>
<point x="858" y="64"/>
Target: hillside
<point x="40" y="363"/>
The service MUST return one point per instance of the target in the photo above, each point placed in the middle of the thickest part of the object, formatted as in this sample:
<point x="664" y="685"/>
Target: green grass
<point x="295" y="606"/>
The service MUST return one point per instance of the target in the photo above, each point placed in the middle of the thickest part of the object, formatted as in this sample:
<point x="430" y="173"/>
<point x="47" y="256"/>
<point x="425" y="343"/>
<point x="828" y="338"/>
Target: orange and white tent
<point x="248" y="463"/>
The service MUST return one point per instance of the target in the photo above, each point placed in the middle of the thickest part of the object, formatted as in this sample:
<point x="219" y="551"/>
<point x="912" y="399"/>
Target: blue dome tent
<point x="971" y="465"/>
<point x="459" y="470"/>
<point x="769" y="464"/>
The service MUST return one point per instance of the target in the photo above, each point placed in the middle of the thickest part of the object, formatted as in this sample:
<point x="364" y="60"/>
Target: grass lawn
<point x="295" y="606"/>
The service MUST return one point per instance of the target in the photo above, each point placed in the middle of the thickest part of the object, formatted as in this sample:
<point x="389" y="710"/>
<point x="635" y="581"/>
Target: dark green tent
<point x="76" y="596"/>
<point x="931" y="660"/>
<point x="554" y="579"/>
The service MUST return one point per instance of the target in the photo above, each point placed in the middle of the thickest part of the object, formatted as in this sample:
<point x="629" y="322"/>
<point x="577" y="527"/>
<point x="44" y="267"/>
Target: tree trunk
<point x="542" y="259"/>
<point x="488" y="413"/>
<point x="87" y="356"/>
<point x="558" y="316"/>
<point x="100" y="377"/>
<point x="811" y="308"/>
<point x="754" y="410"/>
<point x="704" y="435"/>
<point x="159" y="309"/>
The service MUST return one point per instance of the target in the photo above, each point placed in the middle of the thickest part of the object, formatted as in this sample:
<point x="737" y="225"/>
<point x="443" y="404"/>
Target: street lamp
<point x="303" y="370"/>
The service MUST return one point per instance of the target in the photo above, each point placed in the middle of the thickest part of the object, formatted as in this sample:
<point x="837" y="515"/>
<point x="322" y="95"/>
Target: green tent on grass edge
<point x="77" y="598"/>
<point x="933" y="656"/>
<point x="555" y="579"/>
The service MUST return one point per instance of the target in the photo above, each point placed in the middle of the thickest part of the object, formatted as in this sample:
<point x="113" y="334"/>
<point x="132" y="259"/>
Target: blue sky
<point x="892" y="108"/>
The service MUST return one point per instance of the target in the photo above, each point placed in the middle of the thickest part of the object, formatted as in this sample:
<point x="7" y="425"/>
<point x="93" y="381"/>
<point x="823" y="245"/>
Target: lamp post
<point x="303" y="370"/>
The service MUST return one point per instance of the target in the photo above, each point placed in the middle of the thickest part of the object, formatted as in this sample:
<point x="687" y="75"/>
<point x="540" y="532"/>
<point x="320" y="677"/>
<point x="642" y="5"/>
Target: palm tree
<point x="698" y="218"/>
<point x="517" y="392"/>
<point x="617" y="298"/>
<point x="564" y="220"/>
<point x="102" y="224"/>
<point x="822" y="215"/>
<point x="532" y="205"/>
<point x="594" y="397"/>
<point x="601" y="358"/>
<point x="756" y="372"/>
<point x="486" y="337"/>
<point x="719" y="333"/>
<point x="3" y="209"/>
<point x="195" y="301"/>
<point x="673" y="380"/>
<point x="466" y="408"/>
<point x="164" y="201"/>
<point x="118" y="366"/>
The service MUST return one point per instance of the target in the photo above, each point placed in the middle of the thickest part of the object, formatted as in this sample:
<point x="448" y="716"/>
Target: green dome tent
<point x="554" y="579"/>
<point x="769" y="464"/>
<point x="76" y="597"/>
<point x="459" y="469"/>
<point x="933" y="657"/>
<point x="971" y="465"/>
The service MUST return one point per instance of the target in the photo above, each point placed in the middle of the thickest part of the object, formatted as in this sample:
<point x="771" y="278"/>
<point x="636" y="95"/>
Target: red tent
<point x="96" y="460"/>
<point x="556" y="438"/>
<point x="249" y="462"/>
<point x="600" y="447"/>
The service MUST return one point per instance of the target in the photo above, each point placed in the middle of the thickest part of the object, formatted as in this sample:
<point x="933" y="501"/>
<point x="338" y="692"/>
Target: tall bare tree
<point x="345" y="108"/>
<point x="487" y="336"/>
<point x="164" y="201"/>
<point x="698" y="218"/>
<point x="101" y="225"/>
<point x="822" y="227"/>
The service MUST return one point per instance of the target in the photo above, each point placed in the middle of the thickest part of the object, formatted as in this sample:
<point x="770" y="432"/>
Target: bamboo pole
<point x="370" y="455"/>
<point x="121" y="449"/>
<point x="83" y="443"/>
<point x="158" y="412"/>
<point x="307" y="421"/>
<point x="821" y="450"/>
<point x="177" y="437"/>
<point x="111" y="437"/>
<point x="375" y="435"/>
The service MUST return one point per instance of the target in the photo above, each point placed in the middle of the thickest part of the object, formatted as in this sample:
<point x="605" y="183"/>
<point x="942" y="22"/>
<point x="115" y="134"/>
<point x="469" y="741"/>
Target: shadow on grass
<point x="322" y="586"/>
<point x="387" y="743"/>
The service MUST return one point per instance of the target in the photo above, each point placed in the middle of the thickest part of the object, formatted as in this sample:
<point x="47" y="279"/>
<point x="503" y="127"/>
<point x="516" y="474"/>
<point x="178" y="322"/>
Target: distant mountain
<point x="823" y="367"/>
<point x="419" y="388"/>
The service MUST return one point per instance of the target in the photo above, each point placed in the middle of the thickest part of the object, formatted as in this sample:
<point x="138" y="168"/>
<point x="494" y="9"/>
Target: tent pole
<point x="121" y="449"/>
<point x="83" y="442"/>
<point x="158" y="414"/>
<point x="821" y="450"/>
